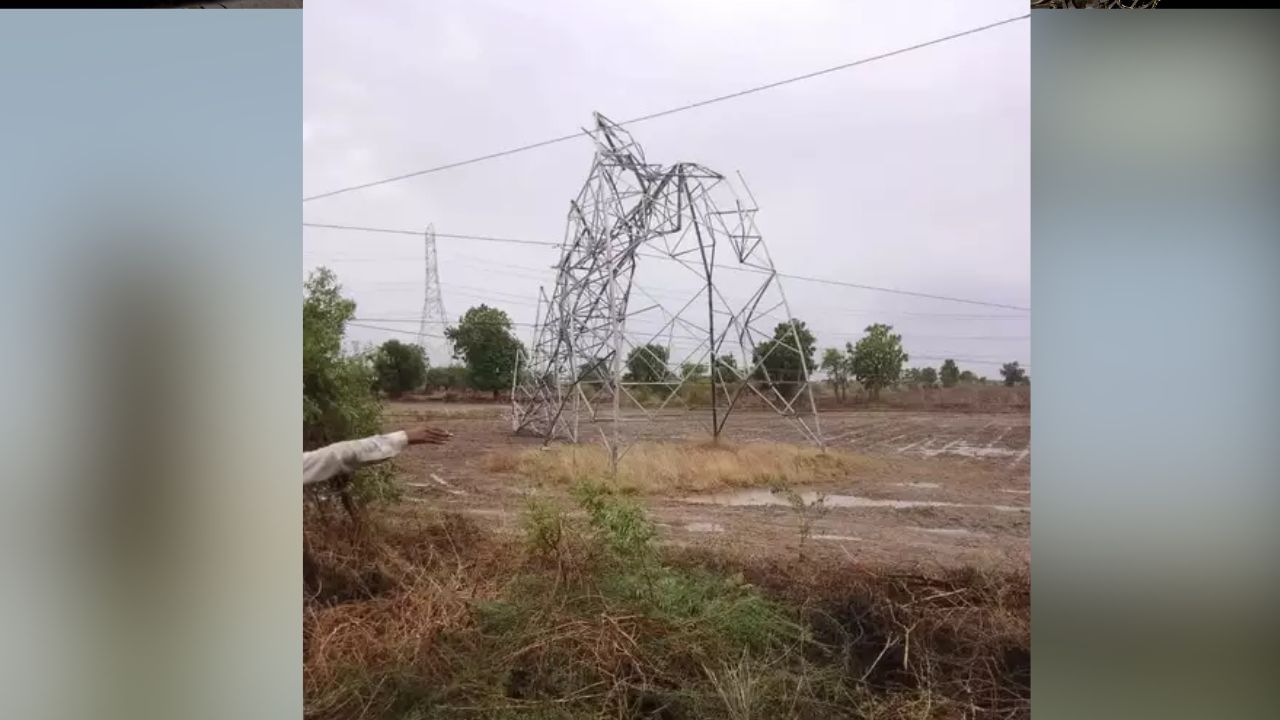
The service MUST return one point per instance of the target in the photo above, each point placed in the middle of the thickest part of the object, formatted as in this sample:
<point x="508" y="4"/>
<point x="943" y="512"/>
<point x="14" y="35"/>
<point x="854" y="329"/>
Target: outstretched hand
<point x="424" y="435"/>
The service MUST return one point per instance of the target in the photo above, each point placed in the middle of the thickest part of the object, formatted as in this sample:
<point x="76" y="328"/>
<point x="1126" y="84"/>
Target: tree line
<point x="878" y="361"/>
<point x="486" y="352"/>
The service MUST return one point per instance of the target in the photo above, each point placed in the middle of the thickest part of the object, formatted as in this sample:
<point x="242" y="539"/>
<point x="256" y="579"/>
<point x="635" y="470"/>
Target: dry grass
<point x="666" y="468"/>
<point x="951" y="643"/>
<point x="441" y="619"/>
<point x="402" y="412"/>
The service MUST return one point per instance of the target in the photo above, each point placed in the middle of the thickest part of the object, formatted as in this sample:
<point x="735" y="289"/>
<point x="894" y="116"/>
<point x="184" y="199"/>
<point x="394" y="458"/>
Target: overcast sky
<point x="910" y="172"/>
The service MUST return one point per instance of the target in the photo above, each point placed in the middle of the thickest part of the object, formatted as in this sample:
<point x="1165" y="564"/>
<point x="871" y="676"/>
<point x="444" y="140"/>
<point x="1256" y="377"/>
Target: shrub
<point x="339" y="400"/>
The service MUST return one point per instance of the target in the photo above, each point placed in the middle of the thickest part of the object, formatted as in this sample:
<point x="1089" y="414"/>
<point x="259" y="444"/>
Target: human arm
<point x="350" y="455"/>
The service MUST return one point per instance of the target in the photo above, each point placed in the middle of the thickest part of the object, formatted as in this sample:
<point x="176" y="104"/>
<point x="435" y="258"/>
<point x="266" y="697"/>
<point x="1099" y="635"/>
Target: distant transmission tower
<point x="434" y="318"/>
<point x="611" y="349"/>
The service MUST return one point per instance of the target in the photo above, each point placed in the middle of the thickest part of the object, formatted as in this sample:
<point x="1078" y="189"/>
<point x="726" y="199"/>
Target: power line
<point x="910" y="293"/>
<point x="671" y="111"/>
<point x="803" y="278"/>
<point x="394" y="330"/>
<point x="912" y="336"/>
<point x="418" y="234"/>
<point x="859" y="286"/>
<point x="971" y="361"/>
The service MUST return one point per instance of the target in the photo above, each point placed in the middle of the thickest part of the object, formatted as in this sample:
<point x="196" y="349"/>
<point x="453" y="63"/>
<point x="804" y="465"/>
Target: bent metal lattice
<point x="608" y="350"/>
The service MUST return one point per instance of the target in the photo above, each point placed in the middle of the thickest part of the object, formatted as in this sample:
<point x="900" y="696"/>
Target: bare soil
<point x="975" y="466"/>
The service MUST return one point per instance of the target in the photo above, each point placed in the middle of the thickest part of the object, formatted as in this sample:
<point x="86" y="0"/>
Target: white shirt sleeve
<point x="347" y="456"/>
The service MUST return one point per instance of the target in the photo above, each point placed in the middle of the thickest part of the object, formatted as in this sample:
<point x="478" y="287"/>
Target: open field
<point x="887" y="578"/>
<point x="923" y="488"/>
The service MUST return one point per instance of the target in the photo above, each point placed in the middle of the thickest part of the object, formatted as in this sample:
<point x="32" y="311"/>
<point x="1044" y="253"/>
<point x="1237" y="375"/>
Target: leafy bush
<point x="339" y="400"/>
<point x="401" y="367"/>
<point x="483" y="337"/>
<point x="453" y="377"/>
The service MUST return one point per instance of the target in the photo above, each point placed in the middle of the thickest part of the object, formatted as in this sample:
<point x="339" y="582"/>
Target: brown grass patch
<point x="664" y="468"/>
<point x="462" y="623"/>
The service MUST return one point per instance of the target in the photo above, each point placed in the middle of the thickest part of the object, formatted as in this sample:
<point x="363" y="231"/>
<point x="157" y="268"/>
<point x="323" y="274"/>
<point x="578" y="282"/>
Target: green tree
<point x="928" y="376"/>
<point x="401" y="367"/>
<point x="950" y="374"/>
<point x="777" y="360"/>
<point x="967" y="376"/>
<point x="452" y="377"/>
<point x="482" y="338"/>
<point x="693" y="372"/>
<point x="648" y="364"/>
<point x="726" y="369"/>
<point x="339" y="399"/>
<point x="878" y="358"/>
<point x="1013" y="374"/>
<point x="838" y="366"/>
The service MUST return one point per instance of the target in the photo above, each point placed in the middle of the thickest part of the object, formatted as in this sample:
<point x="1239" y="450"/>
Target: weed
<point x="806" y="513"/>
<point x="738" y="687"/>
<point x="619" y="523"/>
<point x="464" y="624"/>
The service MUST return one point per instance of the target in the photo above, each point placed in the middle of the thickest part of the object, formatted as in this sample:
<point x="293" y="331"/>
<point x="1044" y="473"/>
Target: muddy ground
<point x="954" y="489"/>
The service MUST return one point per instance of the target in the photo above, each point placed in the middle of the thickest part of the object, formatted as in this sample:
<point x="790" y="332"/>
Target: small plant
<point x="544" y="529"/>
<point x="806" y="512"/>
<point x="620" y="524"/>
<point x="738" y="687"/>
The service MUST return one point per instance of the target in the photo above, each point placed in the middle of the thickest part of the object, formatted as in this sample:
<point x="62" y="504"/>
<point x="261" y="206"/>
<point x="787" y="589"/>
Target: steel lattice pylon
<point x="431" y="330"/>
<point x="600" y="337"/>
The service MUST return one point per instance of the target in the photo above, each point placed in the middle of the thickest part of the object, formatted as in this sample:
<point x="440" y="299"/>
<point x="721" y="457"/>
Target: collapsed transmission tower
<point x="431" y="330"/>
<point x="606" y="350"/>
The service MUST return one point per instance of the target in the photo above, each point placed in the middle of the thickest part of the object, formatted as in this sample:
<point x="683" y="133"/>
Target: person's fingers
<point x="430" y="435"/>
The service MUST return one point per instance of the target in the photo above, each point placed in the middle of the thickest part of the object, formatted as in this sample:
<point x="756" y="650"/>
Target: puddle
<point x="763" y="497"/>
<point x="919" y="485"/>
<point x="963" y="449"/>
<point x="837" y="537"/>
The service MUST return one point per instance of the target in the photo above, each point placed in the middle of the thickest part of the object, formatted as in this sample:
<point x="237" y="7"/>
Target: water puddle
<point x="765" y="497"/>
<point x="961" y="448"/>
<point x="929" y="485"/>
<point x="837" y="537"/>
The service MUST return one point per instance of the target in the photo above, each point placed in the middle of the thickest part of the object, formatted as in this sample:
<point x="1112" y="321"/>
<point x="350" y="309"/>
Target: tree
<point x="339" y="400"/>
<point x="837" y="365"/>
<point x="401" y="367"/>
<point x="928" y="376"/>
<point x="778" y="361"/>
<point x="1013" y="374"/>
<point x="878" y="358"/>
<point x="693" y="372"/>
<point x="453" y="377"/>
<point x="482" y="338"/>
<point x="950" y="373"/>
<point x="726" y="369"/>
<point x="647" y="364"/>
<point x="967" y="376"/>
